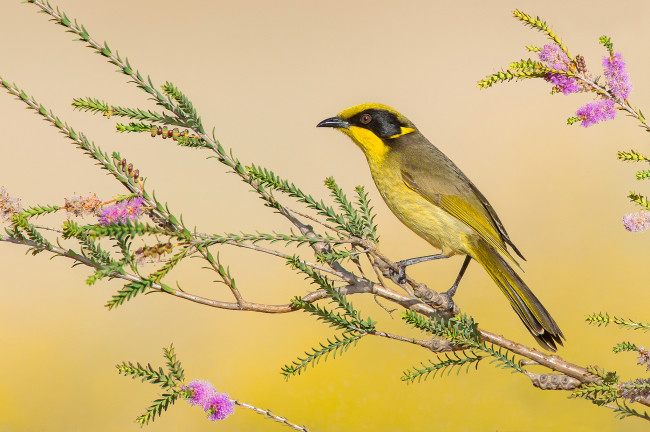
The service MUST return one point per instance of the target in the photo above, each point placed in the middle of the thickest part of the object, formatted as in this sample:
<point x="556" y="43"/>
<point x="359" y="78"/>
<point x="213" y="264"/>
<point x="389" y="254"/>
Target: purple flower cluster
<point x="557" y="59"/>
<point x="637" y="222"/>
<point x="597" y="111"/>
<point x="203" y="394"/>
<point x="123" y="211"/>
<point x="618" y="80"/>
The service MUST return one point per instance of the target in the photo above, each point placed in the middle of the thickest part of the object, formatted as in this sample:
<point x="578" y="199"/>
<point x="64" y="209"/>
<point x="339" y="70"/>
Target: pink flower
<point x="201" y="392"/>
<point x="618" y="80"/>
<point x="123" y="211"/>
<point x="595" y="112"/>
<point x="557" y="59"/>
<point x="218" y="405"/>
<point x="637" y="222"/>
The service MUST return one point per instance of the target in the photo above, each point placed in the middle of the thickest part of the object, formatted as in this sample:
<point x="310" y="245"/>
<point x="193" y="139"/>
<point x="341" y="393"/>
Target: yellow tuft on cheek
<point x="403" y="131"/>
<point x="373" y="147"/>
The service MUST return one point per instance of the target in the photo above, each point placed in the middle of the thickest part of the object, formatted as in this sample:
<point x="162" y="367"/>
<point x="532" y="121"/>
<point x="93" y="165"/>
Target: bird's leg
<point x="400" y="277"/>
<point x="451" y="291"/>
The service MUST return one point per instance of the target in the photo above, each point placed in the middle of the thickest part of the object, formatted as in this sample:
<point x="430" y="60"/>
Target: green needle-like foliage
<point x="170" y="380"/>
<point x="539" y="24"/>
<point x="96" y="106"/>
<point x="39" y="210"/>
<point x="447" y="362"/>
<point x="165" y="269"/>
<point x="127" y="292"/>
<point x="600" y="319"/>
<point x="622" y="411"/>
<point x="269" y="179"/>
<point x="134" y="228"/>
<point x="338" y="345"/>
<point x="174" y="365"/>
<point x="624" y="346"/>
<point x="632" y="156"/>
<point x="159" y="405"/>
<point x="288" y="239"/>
<point x="20" y="222"/>
<point x="184" y="105"/>
<point x="639" y="199"/>
<point x="351" y="316"/>
<point x="461" y="330"/>
<point x="367" y="215"/>
<point x="343" y="317"/>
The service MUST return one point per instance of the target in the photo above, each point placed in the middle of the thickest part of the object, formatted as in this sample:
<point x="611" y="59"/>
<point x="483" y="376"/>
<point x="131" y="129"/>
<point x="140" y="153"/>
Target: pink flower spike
<point x="597" y="111"/>
<point x="202" y="391"/>
<point x="123" y="211"/>
<point x="618" y="80"/>
<point x="219" y="407"/>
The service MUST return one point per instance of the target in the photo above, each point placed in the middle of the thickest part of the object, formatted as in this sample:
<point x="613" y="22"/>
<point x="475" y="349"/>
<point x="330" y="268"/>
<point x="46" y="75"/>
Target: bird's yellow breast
<point x="436" y="226"/>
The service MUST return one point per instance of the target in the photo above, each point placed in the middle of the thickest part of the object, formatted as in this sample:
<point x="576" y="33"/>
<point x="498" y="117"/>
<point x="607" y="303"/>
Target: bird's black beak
<point x="334" y="122"/>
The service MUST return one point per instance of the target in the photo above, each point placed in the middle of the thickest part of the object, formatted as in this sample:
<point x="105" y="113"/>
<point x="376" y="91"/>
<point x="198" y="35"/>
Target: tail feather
<point x="530" y="310"/>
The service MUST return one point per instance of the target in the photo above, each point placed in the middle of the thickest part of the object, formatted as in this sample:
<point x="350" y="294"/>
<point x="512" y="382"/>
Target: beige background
<point x="263" y="74"/>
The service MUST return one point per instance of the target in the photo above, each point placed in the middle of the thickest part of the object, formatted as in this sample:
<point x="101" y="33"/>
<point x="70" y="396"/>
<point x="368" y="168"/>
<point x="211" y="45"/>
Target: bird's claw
<point x="398" y="276"/>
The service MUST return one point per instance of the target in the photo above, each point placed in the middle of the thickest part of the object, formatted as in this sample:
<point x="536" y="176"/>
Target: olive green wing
<point x="496" y="220"/>
<point x="452" y="191"/>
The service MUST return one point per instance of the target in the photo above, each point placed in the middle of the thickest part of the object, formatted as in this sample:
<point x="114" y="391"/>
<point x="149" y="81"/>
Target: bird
<point x="430" y="195"/>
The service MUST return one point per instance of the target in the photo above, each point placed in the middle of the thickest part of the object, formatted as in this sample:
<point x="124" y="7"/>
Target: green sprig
<point x="159" y="405"/>
<point x="184" y="105"/>
<point x="624" y="346"/>
<point x="604" y="319"/>
<point x="333" y="347"/>
<point x="607" y="43"/>
<point x="622" y="411"/>
<point x="539" y="24"/>
<point x="508" y="75"/>
<point x="127" y="292"/>
<point x="96" y="106"/>
<point x="446" y="363"/>
<point x="134" y="228"/>
<point x="639" y="199"/>
<point x="39" y="210"/>
<point x="171" y="381"/>
<point x="269" y="179"/>
<point x="632" y="156"/>
<point x="275" y="237"/>
<point x="20" y="223"/>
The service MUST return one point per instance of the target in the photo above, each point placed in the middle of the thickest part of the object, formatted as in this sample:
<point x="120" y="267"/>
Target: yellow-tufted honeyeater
<point x="432" y="196"/>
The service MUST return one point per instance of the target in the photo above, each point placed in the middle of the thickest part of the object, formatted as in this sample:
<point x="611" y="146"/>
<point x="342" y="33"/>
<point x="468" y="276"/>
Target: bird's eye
<point x="365" y="119"/>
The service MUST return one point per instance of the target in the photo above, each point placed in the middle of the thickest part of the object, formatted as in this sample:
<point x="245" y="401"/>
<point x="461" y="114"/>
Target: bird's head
<point x="371" y="126"/>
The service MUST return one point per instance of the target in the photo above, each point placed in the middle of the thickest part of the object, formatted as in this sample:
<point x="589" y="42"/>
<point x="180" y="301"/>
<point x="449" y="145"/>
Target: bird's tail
<point x="530" y="310"/>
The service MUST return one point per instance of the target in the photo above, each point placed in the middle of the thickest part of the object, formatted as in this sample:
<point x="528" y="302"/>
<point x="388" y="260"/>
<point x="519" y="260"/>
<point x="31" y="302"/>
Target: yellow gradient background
<point x="263" y="74"/>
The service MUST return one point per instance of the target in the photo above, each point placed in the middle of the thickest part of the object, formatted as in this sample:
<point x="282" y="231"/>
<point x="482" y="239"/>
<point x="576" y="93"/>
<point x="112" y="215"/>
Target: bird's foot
<point x="449" y="295"/>
<point x="450" y="292"/>
<point x="398" y="276"/>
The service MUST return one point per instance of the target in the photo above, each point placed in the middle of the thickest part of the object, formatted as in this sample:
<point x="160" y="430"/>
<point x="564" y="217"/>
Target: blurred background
<point x="263" y="74"/>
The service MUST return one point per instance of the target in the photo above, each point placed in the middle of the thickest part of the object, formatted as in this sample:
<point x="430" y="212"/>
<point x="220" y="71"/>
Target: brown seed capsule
<point x="136" y="174"/>
<point x="159" y="131"/>
<point x="580" y="63"/>
<point x="129" y="168"/>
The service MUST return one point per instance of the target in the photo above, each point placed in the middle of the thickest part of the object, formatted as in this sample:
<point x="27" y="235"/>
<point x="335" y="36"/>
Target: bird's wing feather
<point x="458" y="198"/>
